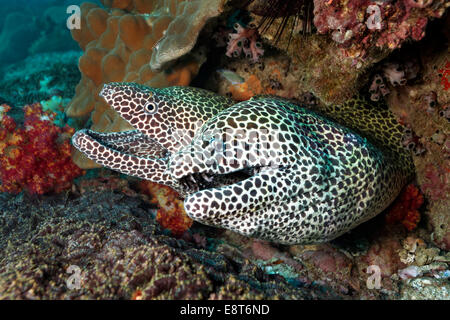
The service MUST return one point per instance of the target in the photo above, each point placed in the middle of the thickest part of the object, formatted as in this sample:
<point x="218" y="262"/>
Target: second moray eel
<point x="265" y="168"/>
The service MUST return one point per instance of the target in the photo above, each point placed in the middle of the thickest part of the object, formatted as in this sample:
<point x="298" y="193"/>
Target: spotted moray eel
<point x="265" y="168"/>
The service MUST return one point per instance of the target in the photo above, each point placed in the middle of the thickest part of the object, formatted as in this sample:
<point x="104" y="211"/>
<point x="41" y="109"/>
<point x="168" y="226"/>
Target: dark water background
<point x="38" y="57"/>
<point x="30" y="27"/>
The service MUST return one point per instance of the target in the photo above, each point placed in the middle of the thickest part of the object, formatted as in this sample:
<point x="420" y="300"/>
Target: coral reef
<point x="426" y="288"/>
<point x="383" y="252"/>
<point x="393" y="74"/>
<point x="37" y="156"/>
<point x="131" y="239"/>
<point x="362" y="25"/>
<point x="419" y="105"/>
<point x="105" y="233"/>
<point x="349" y="48"/>
<point x="119" y="252"/>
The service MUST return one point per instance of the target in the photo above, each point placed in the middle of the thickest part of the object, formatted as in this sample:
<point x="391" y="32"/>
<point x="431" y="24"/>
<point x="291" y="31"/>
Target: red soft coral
<point x="171" y="214"/>
<point x="35" y="157"/>
<point x="406" y="208"/>
<point x="445" y="76"/>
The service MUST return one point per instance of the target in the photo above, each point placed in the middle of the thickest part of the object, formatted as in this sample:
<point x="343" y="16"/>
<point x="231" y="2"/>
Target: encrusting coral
<point x="118" y="43"/>
<point x="37" y="156"/>
<point x="364" y="24"/>
<point x="352" y="36"/>
<point x="181" y="34"/>
<point x="420" y="105"/>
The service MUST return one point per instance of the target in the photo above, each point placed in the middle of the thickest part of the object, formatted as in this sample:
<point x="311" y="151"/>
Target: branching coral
<point x="37" y="156"/>
<point x="406" y="208"/>
<point x="171" y="214"/>
<point x="244" y="40"/>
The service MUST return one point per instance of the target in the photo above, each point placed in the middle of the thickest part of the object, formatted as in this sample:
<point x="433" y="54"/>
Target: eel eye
<point x="150" y="108"/>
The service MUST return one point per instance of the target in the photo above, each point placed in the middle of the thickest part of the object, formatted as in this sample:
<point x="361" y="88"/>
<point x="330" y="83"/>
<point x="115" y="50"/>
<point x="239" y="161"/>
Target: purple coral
<point x="244" y="40"/>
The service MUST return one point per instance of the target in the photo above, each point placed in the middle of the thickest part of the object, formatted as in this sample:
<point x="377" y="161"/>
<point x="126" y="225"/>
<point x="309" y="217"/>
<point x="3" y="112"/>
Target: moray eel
<point x="265" y="168"/>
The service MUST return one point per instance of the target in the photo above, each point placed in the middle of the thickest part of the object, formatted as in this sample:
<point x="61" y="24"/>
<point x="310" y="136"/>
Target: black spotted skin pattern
<point x="265" y="168"/>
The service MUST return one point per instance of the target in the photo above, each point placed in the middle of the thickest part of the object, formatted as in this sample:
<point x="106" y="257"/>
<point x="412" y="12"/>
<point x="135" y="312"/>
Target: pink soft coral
<point x="244" y="40"/>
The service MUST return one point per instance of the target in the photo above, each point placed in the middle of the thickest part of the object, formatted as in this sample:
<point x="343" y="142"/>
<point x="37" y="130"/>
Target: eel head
<point x="165" y="120"/>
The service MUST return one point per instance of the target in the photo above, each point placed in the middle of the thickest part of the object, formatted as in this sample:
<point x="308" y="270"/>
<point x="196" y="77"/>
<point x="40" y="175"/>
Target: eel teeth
<point x="207" y="178"/>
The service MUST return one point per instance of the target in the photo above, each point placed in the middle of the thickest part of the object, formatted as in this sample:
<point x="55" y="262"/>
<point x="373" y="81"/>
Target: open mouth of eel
<point x="202" y="181"/>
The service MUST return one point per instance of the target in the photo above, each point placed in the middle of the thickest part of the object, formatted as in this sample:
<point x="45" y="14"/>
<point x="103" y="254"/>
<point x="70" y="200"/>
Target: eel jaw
<point x="235" y="196"/>
<point x="199" y="181"/>
<point x="128" y="152"/>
